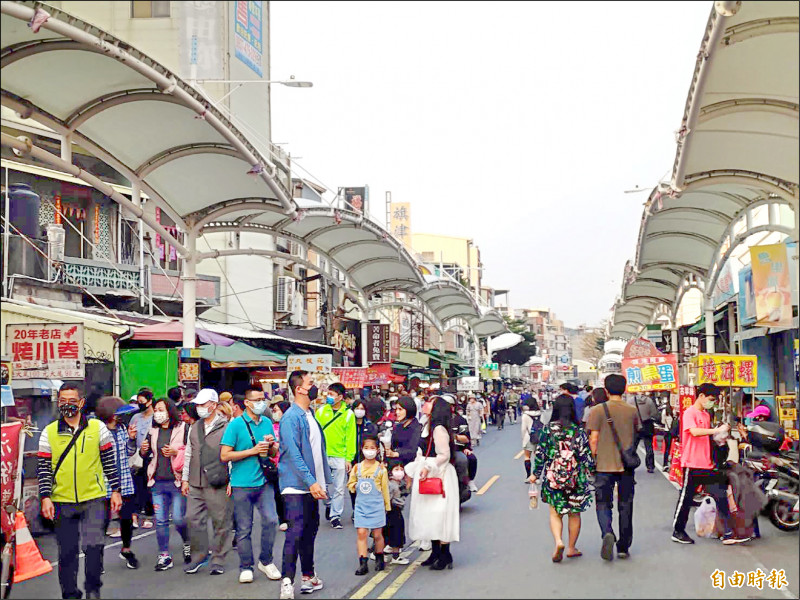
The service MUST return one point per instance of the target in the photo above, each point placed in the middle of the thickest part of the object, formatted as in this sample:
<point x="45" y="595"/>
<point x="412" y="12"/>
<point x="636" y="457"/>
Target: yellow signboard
<point x="726" y="369"/>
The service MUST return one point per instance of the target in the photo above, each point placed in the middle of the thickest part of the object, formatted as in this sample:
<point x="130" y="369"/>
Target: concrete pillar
<point x="673" y="341"/>
<point x="709" y="316"/>
<point x="189" y="279"/>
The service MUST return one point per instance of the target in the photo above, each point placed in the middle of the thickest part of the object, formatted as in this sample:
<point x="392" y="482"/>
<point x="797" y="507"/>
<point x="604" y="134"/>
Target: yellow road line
<point x="402" y="578"/>
<point x="521" y="452"/>
<point x="487" y="485"/>
<point x="370" y="585"/>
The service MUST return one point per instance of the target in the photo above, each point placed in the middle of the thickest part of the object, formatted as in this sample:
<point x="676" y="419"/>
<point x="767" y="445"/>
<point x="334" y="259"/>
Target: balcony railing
<point x="100" y="276"/>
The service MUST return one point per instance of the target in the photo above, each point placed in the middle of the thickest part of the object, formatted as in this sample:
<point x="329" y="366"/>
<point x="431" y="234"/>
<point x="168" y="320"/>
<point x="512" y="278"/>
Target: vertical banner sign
<point x="46" y="351"/>
<point x="189" y="368"/>
<point x="248" y="34"/>
<point x="96" y="223"/>
<point x="772" y="285"/>
<point x="747" y="296"/>
<point x="724" y="289"/>
<point x="394" y="344"/>
<point x="400" y="222"/>
<point x="10" y="472"/>
<point x="356" y="199"/>
<point x="378" y="343"/>
<point x="313" y="363"/>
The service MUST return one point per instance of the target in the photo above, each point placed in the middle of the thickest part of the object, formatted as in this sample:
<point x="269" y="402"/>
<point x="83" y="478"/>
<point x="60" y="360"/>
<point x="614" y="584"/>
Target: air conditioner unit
<point x="284" y="299"/>
<point x="295" y="249"/>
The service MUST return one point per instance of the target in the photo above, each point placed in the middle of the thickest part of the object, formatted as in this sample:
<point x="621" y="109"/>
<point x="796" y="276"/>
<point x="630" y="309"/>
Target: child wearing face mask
<point x="395" y="523"/>
<point x="370" y="482"/>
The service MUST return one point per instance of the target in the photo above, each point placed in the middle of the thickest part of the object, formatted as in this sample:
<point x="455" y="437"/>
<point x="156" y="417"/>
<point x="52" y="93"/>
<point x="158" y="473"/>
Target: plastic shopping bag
<point x="705" y="518"/>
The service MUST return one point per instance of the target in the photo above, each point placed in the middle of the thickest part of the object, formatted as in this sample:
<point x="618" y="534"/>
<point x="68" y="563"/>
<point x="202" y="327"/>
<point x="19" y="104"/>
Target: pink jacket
<point x="176" y="441"/>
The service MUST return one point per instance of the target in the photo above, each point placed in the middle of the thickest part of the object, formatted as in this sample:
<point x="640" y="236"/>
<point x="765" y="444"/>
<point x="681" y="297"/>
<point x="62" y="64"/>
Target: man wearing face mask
<point x="698" y="468"/>
<point x="138" y="428"/>
<point x="205" y="483"/>
<point x="339" y="426"/>
<point x="76" y="459"/>
<point x="248" y="443"/>
<point x="304" y="476"/>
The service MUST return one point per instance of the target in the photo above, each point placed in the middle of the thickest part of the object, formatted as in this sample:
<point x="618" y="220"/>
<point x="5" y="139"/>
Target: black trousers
<point x="649" y="454"/>
<point x="125" y="519"/>
<point x="604" y="499"/>
<point x="714" y="482"/>
<point x="143" y="496"/>
<point x="79" y="524"/>
<point x="302" y="515"/>
<point x="395" y="530"/>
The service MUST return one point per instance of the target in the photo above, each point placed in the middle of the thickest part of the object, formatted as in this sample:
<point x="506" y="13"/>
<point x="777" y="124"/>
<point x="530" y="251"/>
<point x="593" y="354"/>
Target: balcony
<point x="100" y="277"/>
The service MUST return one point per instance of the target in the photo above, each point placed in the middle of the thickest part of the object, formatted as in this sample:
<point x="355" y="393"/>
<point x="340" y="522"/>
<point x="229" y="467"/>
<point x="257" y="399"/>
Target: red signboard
<point x="359" y="377"/>
<point x="394" y="344"/>
<point x="647" y="369"/>
<point x="11" y="472"/>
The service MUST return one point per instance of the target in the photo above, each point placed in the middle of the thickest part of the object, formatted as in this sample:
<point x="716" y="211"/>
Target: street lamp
<point x="291" y="82"/>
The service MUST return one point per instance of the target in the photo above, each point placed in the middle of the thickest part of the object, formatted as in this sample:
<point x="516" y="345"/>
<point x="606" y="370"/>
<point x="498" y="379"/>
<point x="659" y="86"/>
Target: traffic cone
<point x="29" y="562"/>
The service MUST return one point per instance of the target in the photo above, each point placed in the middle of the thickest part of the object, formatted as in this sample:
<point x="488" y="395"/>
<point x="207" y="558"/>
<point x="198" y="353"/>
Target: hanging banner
<point x="647" y="369"/>
<point x="12" y="444"/>
<point x="724" y="289"/>
<point x="772" y="285"/>
<point x="747" y="296"/>
<point x="378" y="350"/>
<point x="313" y="363"/>
<point x="726" y="370"/>
<point x="394" y="344"/>
<point x="46" y="351"/>
<point x="248" y="38"/>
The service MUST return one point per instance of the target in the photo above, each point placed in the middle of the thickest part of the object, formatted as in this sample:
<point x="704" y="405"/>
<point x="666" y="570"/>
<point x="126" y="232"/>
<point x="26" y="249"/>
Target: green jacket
<point x="340" y="434"/>
<point x="81" y="476"/>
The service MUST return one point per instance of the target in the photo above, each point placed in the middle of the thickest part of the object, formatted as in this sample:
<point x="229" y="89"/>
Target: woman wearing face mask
<point x="106" y="409"/>
<point x="436" y="517"/>
<point x="279" y="407"/>
<point x="166" y="446"/>
<point x="474" y="414"/>
<point x="406" y="432"/>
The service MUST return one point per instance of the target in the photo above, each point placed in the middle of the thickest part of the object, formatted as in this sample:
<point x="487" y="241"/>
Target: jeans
<point x="244" y="500"/>
<point x="649" y="454"/>
<point x="75" y="524"/>
<point x="338" y="486"/>
<point x="302" y="514"/>
<point x="165" y="497"/>
<point x="604" y="497"/>
<point x="715" y="483"/>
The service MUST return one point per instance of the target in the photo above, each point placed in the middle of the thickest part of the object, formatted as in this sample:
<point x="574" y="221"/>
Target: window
<point x="147" y="10"/>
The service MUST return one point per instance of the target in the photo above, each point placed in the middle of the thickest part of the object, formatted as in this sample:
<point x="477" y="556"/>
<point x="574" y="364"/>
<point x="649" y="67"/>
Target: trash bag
<point x="705" y="518"/>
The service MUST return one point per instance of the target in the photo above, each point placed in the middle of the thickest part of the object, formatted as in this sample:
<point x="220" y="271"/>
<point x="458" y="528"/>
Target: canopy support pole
<point x="709" y="316"/>
<point x="189" y="279"/>
<point x="673" y="340"/>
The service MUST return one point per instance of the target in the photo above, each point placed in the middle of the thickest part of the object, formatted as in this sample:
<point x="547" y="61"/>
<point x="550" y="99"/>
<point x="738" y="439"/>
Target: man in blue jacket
<point x="304" y="476"/>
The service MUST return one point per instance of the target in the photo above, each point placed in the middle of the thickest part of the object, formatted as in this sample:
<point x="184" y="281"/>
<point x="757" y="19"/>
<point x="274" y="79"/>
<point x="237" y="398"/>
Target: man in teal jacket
<point x="339" y="427"/>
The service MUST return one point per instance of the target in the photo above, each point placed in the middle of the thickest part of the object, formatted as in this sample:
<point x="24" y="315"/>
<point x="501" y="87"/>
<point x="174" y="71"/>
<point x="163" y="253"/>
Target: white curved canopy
<point x="737" y="152"/>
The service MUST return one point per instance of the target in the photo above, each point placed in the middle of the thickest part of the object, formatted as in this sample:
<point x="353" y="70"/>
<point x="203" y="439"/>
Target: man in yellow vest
<point x="76" y="458"/>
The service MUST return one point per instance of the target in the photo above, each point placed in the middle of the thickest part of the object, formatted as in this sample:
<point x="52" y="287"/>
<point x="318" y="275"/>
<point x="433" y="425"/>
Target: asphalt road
<point x="504" y="552"/>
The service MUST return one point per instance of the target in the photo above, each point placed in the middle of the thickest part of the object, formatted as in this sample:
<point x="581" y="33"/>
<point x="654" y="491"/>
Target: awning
<point x="172" y="331"/>
<point x="240" y="354"/>
<point x="414" y="358"/>
<point x="35" y="387"/>
<point x="700" y="326"/>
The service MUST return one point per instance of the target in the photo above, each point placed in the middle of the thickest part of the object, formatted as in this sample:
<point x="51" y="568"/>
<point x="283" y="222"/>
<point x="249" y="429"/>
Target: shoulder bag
<point x="431" y="486"/>
<point x="216" y="471"/>
<point x="629" y="456"/>
<point x="269" y="468"/>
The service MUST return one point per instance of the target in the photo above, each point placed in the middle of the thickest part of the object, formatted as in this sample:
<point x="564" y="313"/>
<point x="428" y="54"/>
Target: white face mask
<point x="160" y="416"/>
<point x="359" y="413"/>
<point x="398" y="475"/>
<point x="203" y="411"/>
<point x="370" y="454"/>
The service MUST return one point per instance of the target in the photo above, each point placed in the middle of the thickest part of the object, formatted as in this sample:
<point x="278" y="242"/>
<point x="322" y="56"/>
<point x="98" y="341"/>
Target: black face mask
<point x="312" y="393"/>
<point x="143" y="406"/>
<point x="68" y="410"/>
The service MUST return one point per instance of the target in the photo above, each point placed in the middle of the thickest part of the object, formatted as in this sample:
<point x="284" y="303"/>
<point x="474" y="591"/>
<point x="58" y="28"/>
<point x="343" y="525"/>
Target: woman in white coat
<point x="530" y="413"/>
<point x="436" y="517"/>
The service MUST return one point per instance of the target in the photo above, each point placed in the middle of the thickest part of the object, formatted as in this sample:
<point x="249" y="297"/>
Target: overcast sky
<point x="516" y="124"/>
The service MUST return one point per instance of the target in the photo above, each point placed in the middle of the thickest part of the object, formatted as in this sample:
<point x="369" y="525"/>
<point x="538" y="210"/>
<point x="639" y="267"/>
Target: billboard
<point x="356" y="199"/>
<point x="248" y="34"/>
<point x="346" y="341"/>
<point x="46" y="351"/>
<point x="378" y="349"/>
<point x="647" y="369"/>
<point x="726" y="369"/>
<point x="772" y="285"/>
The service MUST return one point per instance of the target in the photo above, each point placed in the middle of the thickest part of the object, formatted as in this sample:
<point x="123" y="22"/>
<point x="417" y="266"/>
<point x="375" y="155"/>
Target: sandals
<point x="559" y="555"/>
<point x="575" y="555"/>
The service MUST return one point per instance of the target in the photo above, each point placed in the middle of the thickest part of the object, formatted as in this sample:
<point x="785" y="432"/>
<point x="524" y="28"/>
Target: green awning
<point x="421" y="376"/>
<point x="414" y="358"/>
<point x="240" y="354"/>
<point x="700" y="326"/>
<point x="453" y="358"/>
<point x="438" y="356"/>
<point x="399" y="367"/>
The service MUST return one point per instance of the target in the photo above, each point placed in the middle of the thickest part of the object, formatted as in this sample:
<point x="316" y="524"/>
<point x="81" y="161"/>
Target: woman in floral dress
<point x="563" y="465"/>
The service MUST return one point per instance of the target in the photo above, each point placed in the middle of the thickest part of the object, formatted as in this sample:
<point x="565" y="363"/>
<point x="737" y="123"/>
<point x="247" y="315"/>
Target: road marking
<point x="487" y="485"/>
<point x="107" y="546"/>
<point x="521" y="452"/>
<point x="402" y="578"/>
<point x="376" y="579"/>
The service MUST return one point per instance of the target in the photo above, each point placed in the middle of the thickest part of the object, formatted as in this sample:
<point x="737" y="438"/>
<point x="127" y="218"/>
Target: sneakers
<point x="425" y="546"/>
<point x="336" y="523"/>
<point x="607" y="550"/>
<point x="187" y="554"/>
<point x="217" y="570"/>
<point x="730" y="538"/>
<point x="164" y="562"/>
<point x="283" y="526"/>
<point x="681" y="537"/>
<point x="623" y="554"/>
<point x="287" y="589"/>
<point x="117" y="533"/>
<point x="130" y="559"/>
<point x="310" y="584"/>
<point x="195" y="566"/>
<point x="474" y="488"/>
<point x="246" y="576"/>
<point x="270" y="570"/>
<point x="399" y="560"/>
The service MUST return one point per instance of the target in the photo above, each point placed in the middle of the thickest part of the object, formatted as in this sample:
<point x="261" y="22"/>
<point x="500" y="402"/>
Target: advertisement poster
<point x="356" y="198"/>
<point x="46" y="351"/>
<point x="647" y="369"/>
<point x="378" y="350"/>
<point x="726" y="369"/>
<point x="248" y="34"/>
<point x="11" y="471"/>
<point x="313" y="363"/>
<point x="345" y="339"/>
<point x="359" y="377"/>
<point x="724" y="289"/>
<point x="772" y="285"/>
<point x="747" y="296"/>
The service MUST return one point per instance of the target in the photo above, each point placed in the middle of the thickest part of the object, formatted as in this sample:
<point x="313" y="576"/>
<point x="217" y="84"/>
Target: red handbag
<point x="432" y="486"/>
